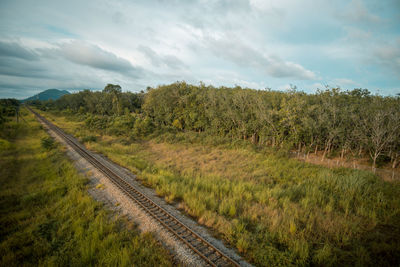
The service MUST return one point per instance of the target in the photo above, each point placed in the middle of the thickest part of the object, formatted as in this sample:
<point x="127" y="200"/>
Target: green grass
<point x="47" y="217"/>
<point x="276" y="211"/>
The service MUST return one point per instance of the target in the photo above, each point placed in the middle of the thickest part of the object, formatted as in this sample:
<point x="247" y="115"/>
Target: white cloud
<point x="66" y="66"/>
<point x="14" y="49"/>
<point x="91" y="55"/>
<point x="357" y="36"/>
<point x="388" y="56"/>
<point x="343" y="82"/>
<point x="357" y="12"/>
<point x="233" y="49"/>
<point x="317" y="86"/>
<point x="157" y="60"/>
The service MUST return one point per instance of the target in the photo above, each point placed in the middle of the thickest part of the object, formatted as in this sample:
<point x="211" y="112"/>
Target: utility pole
<point x="17" y="111"/>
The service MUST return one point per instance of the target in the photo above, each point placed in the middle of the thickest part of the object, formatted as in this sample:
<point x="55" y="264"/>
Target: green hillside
<point x="48" y="94"/>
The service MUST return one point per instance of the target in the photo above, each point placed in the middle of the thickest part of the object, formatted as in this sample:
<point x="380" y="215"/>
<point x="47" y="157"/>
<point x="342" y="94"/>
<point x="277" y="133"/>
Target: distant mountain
<point x="48" y="94"/>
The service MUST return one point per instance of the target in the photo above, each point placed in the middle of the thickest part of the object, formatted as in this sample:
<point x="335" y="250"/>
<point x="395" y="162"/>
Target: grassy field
<point x="276" y="211"/>
<point x="47" y="217"/>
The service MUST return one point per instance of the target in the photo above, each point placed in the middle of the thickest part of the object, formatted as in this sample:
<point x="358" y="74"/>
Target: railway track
<point x="209" y="253"/>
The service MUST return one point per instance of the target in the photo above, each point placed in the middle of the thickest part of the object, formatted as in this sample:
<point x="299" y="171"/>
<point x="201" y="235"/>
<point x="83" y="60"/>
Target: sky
<point x="274" y="44"/>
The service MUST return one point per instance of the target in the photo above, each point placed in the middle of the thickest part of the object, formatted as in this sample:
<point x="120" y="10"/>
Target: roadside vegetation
<point x="275" y="210"/>
<point x="47" y="217"/>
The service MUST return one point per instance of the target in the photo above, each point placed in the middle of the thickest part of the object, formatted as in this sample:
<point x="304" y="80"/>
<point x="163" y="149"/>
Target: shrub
<point x="97" y="122"/>
<point x="143" y="127"/>
<point x="47" y="143"/>
<point x="4" y="144"/>
<point x="89" y="138"/>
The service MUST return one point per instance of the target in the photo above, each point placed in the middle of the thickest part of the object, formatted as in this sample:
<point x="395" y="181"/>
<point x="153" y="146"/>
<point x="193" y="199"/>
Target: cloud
<point x="60" y="31"/>
<point x="93" y="56"/>
<point x="344" y="82"/>
<point x="68" y="65"/>
<point x="13" y="49"/>
<point x="118" y="18"/>
<point x="157" y="60"/>
<point x="388" y="56"/>
<point x="356" y="11"/>
<point x="232" y="49"/>
<point x="356" y="35"/>
<point x="18" y="60"/>
<point x="280" y="68"/>
<point x="21" y="68"/>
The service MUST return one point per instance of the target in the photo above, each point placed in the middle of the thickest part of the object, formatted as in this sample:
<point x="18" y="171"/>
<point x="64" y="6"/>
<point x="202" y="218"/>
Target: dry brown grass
<point x="203" y="160"/>
<point x="385" y="172"/>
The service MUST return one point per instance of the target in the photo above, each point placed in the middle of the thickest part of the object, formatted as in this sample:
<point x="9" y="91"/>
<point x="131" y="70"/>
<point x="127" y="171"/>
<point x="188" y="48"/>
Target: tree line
<point x="109" y="102"/>
<point x="347" y="123"/>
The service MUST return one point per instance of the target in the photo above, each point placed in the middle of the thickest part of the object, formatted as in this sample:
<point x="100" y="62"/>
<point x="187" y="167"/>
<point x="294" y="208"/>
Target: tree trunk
<point x="395" y="161"/>
<point x="254" y="138"/>
<point x="374" y="162"/>
<point x="327" y="145"/>
<point x="391" y="155"/>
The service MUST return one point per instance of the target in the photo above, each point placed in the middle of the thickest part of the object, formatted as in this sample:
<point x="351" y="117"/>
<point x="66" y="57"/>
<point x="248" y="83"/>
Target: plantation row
<point x="346" y="123"/>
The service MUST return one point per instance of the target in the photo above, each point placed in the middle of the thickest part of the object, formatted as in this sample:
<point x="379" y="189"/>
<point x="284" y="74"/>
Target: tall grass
<point x="46" y="216"/>
<point x="276" y="211"/>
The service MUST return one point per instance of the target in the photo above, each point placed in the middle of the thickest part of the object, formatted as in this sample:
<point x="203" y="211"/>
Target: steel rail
<point x="212" y="255"/>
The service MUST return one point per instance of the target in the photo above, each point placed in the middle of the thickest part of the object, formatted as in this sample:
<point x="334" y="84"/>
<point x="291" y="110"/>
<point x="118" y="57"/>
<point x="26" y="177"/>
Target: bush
<point x="143" y="127"/>
<point x="48" y="143"/>
<point x="89" y="138"/>
<point x="97" y="122"/>
<point x="5" y="145"/>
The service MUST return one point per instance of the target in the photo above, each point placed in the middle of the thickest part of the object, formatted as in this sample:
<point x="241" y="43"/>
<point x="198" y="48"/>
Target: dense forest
<point x="331" y="121"/>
